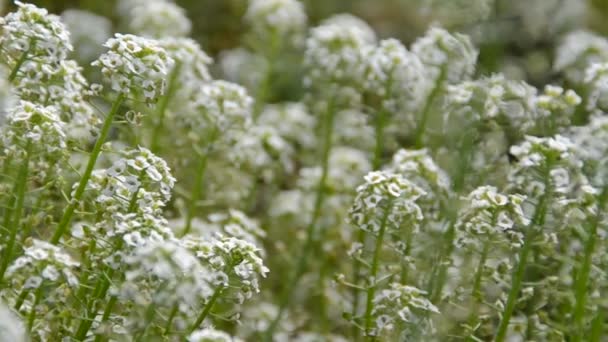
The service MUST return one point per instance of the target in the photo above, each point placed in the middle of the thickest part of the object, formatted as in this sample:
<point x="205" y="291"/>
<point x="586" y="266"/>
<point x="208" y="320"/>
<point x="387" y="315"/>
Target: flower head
<point x="135" y="66"/>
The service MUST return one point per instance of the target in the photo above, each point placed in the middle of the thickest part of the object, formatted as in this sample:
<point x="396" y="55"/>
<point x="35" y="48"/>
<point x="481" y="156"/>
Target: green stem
<point x="32" y="315"/>
<point x="476" y="296"/>
<point x="19" y="191"/>
<point x="583" y="278"/>
<point x="310" y="229"/>
<point x="163" y="103"/>
<point x="518" y="277"/>
<point x="196" y="192"/>
<point x="379" y="149"/>
<point x="426" y="111"/>
<point x="170" y="320"/>
<point x="538" y="220"/>
<point x="20" y="61"/>
<point x="69" y="210"/>
<point x="371" y="289"/>
<point x="149" y="317"/>
<point x="440" y="276"/>
<point x="597" y="327"/>
<point x="207" y="308"/>
<point x="357" y="276"/>
<point x="21" y="299"/>
<point x="264" y="87"/>
<point x="404" y="266"/>
<point x="106" y="314"/>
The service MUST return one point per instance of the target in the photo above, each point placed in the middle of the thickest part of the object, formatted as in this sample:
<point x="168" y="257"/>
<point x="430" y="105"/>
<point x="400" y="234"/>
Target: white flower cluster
<point x="262" y="149"/>
<point x="88" y="32"/>
<point x="591" y="145"/>
<point x="135" y="66"/>
<point x="42" y="264"/>
<point x="452" y="55"/>
<point x="285" y="18"/>
<point x="34" y="125"/>
<point x="11" y="327"/>
<point x="418" y="167"/>
<point x="158" y="19"/>
<point x="31" y="33"/>
<point x="292" y="121"/>
<point x="596" y="79"/>
<point x="386" y="197"/>
<point x="395" y="75"/>
<point x="491" y="217"/>
<point x="178" y="276"/>
<point x="65" y="87"/>
<point x="577" y="51"/>
<point x="193" y="61"/>
<point x="400" y="304"/>
<point x="347" y="166"/>
<point x="140" y="176"/>
<point x="221" y="106"/>
<point x="235" y="264"/>
<point x="334" y="52"/>
<point x="512" y="104"/>
<point x="232" y="223"/>
<point x="211" y="335"/>
<point x="545" y="164"/>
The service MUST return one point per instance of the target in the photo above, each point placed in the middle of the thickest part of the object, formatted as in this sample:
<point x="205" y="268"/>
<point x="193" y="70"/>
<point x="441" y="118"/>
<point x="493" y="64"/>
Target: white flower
<point x="133" y="60"/>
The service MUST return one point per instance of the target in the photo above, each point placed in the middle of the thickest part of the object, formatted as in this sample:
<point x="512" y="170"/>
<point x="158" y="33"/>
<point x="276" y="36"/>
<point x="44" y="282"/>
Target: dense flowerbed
<point x="149" y="193"/>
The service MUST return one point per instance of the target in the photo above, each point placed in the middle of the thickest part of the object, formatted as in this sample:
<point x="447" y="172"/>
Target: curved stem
<point x="597" y="327"/>
<point x="19" y="191"/>
<point x="371" y="289"/>
<point x="583" y="278"/>
<point x="20" y="61"/>
<point x="106" y="314"/>
<point x="207" y="308"/>
<point x="476" y="293"/>
<point x="170" y="320"/>
<point x="300" y="266"/>
<point x="537" y="221"/>
<point x="32" y="315"/>
<point x="196" y="194"/>
<point x="163" y="103"/>
<point x="69" y="210"/>
<point x="426" y="111"/>
<point x="518" y="277"/>
<point x="264" y="87"/>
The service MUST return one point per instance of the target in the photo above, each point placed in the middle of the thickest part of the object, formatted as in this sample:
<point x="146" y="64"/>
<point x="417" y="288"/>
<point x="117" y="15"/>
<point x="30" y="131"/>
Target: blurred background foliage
<point x="516" y="37"/>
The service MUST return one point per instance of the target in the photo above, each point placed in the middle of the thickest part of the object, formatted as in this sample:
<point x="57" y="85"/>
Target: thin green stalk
<point x="311" y="228"/>
<point x="379" y="149"/>
<point x="583" y="277"/>
<point x="149" y="317"/>
<point x="216" y="294"/>
<point x="106" y="313"/>
<point x="19" y="191"/>
<point x="163" y="103"/>
<point x="405" y="267"/>
<point x="439" y="277"/>
<point x="597" y="327"/>
<point x="264" y="87"/>
<point x="21" y="299"/>
<point x="537" y="221"/>
<point x="355" y="294"/>
<point x="32" y="315"/>
<point x="476" y="292"/>
<point x="426" y="111"/>
<point x="371" y="289"/>
<point x="20" y="61"/>
<point x="518" y="277"/>
<point x="170" y="320"/>
<point x="196" y="192"/>
<point x="69" y="210"/>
